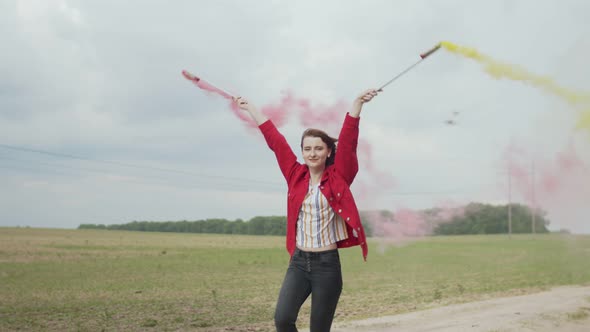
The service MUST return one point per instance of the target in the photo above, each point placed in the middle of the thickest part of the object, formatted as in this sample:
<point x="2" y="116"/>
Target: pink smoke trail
<point x="551" y="176"/>
<point x="279" y="113"/>
<point x="382" y="180"/>
<point x="405" y="225"/>
<point x="325" y="116"/>
<point x="208" y="87"/>
<point x="561" y="185"/>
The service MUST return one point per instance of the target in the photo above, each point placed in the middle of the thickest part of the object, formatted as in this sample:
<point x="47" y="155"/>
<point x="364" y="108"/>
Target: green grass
<point x="92" y="280"/>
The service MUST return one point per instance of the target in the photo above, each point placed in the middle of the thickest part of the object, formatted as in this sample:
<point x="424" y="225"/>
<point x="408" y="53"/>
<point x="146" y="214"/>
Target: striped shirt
<point x="318" y="226"/>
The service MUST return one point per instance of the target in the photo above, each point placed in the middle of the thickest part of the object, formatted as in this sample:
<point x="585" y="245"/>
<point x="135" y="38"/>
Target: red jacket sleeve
<point x="346" y="161"/>
<point x="283" y="152"/>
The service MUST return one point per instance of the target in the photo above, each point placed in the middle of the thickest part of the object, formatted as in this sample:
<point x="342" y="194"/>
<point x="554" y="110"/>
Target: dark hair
<point x="330" y="142"/>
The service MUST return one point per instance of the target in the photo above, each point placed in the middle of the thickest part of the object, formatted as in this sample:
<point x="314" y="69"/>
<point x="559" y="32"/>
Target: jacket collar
<point x="324" y="174"/>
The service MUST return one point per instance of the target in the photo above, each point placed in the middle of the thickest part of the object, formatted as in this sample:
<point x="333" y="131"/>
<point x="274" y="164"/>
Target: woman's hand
<point x="365" y="97"/>
<point x="243" y="104"/>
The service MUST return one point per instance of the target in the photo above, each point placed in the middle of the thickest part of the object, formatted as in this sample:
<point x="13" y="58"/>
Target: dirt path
<point x="557" y="310"/>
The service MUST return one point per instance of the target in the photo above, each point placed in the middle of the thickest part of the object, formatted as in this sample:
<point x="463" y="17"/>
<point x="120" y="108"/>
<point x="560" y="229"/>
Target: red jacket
<point x="335" y="182"/>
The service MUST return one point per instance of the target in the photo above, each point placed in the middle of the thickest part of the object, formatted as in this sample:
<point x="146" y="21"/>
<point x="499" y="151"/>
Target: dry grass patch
<point x="581" y="314"/>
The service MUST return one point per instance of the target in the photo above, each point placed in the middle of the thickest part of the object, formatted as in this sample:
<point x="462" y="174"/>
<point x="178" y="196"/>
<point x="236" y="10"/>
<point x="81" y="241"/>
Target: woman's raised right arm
<point x="276" y="141"/>
<point x="256" y="115"/>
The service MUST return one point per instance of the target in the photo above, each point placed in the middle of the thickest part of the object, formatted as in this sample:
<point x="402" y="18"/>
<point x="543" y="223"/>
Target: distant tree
<point x="481" y="218"/>
<point x="256" y="226"/>
<point x="240" y="227"/>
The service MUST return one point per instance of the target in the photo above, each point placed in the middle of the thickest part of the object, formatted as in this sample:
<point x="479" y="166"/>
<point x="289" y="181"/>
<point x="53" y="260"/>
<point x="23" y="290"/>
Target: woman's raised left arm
<point x="358" y="103"/>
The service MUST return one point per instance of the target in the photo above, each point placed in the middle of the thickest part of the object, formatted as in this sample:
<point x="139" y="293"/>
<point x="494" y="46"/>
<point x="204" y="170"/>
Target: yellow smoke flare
<point x="497" y="69"/>
<point x="584" y="121"/>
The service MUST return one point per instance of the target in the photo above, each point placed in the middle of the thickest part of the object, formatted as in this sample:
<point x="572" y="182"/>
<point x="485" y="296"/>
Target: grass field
<point x="90" y="280"/>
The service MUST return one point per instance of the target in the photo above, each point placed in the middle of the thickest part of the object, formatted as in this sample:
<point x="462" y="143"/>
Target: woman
<point x="321" y="214"/>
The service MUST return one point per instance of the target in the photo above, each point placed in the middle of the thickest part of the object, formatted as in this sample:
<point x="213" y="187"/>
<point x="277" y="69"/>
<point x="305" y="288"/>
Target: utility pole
<point x="509" y="202"/>
<point x="533" y="203"/>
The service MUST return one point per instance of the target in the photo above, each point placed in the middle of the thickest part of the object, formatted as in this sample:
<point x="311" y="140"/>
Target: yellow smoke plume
<point x="584" y="121"/>
<point x="497" y="69"/>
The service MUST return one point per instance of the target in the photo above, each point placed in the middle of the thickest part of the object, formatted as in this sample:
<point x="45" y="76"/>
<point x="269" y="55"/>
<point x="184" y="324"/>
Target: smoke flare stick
<point x="208" y="87"/>
<point x="190" y="76"/>
<point x="429" y="52"/>
<point x="422" y="57"/>
<point x="201" y="83"/>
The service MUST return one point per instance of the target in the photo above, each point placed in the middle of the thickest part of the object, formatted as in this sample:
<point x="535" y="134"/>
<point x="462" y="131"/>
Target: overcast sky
<point x="97" y="124"/>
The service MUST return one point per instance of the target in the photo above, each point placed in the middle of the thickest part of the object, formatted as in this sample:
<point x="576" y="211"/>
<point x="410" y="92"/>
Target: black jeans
<point x="315" y="273"/>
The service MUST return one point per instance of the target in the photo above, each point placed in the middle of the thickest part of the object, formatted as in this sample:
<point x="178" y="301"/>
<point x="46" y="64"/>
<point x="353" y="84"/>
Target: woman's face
<point x="315" y="152"/>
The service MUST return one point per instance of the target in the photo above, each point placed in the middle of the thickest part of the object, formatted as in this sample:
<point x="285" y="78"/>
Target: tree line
<point x="263" y="225"/>
<point x="476" y="218"/>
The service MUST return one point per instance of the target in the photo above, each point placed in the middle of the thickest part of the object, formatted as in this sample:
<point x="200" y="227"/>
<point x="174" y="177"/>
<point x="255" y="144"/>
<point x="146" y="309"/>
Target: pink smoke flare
<point x="560" y="186"/>
<point x="210" y="88"/>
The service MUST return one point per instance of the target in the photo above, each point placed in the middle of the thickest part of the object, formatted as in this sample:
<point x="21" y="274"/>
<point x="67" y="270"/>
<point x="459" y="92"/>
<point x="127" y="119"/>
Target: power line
<point x="238" y="183"/>
<point x="168" y="170"/>
<point x="136" y="179"/>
